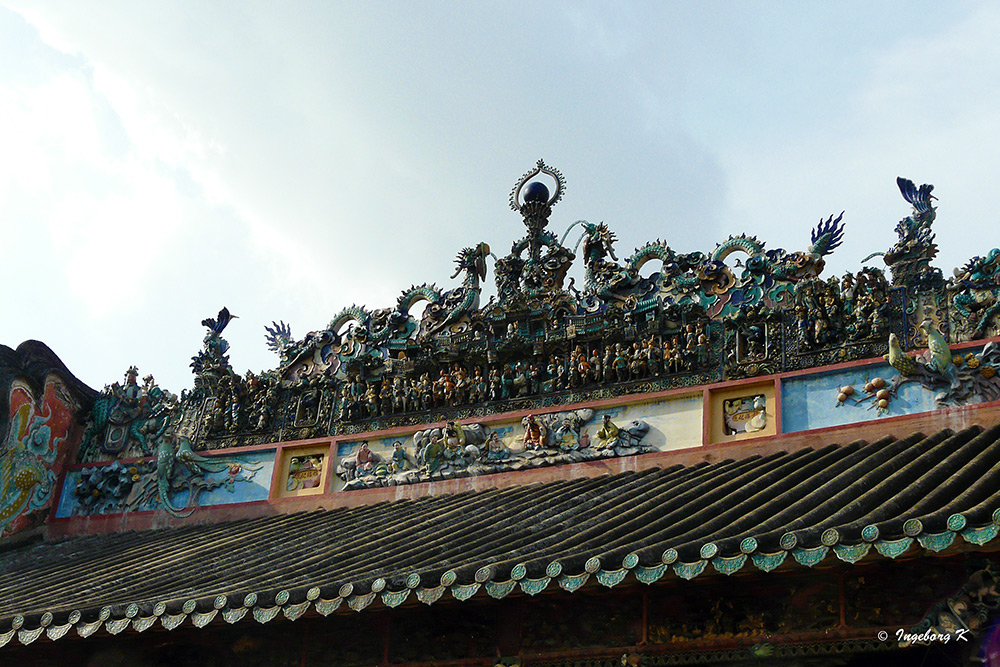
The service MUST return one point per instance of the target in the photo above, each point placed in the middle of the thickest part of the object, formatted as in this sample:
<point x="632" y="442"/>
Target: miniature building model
<point x="705" y="464"/>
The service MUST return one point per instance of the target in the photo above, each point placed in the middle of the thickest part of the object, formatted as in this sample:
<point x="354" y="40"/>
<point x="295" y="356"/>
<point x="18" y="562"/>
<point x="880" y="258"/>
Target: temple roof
<point x="908" y="495"/>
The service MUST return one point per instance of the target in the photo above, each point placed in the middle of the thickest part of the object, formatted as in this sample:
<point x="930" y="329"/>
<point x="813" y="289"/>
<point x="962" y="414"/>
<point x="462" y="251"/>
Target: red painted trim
<point x="706" y="417"/>
<point x="778" y="423"/>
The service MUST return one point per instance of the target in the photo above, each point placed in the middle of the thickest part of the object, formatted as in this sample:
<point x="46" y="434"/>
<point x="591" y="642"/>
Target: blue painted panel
<point x="117" y="488"/>
<point x="810" y="401"/>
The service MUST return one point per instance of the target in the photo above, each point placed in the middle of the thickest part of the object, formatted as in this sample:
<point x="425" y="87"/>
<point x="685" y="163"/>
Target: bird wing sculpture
<point x="940" y="354"/>
<point x="920" y="197"/>
<point x="218" y="323"/>
<point x="827" y="236"/>
<point x="899" y="359"/>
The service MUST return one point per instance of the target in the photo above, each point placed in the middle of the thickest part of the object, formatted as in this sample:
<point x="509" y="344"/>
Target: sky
<point x="288" y="159"/>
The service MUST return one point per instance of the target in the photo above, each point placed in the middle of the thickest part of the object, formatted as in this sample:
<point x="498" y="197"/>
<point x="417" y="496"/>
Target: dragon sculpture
<point x="976" y="287"/>
<point x="695" y="278"/>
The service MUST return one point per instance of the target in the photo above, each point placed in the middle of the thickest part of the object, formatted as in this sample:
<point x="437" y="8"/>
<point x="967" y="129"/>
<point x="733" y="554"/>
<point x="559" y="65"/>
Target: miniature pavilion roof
<point x="892" y="496"/>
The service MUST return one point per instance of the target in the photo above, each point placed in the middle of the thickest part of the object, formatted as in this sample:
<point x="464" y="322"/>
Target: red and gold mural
<point x="33" y="449"/>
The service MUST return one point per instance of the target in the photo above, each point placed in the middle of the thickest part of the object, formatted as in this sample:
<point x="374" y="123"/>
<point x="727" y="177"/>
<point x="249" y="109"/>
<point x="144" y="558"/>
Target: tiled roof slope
<point x="890" y="496"/>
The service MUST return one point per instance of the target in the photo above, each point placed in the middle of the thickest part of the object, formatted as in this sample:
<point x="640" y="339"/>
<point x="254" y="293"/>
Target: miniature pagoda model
<point x="712" y="463"/>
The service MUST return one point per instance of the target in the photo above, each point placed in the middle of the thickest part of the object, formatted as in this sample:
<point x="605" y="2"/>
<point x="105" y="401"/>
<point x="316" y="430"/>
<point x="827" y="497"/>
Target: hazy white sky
<point x="161" y="160"/>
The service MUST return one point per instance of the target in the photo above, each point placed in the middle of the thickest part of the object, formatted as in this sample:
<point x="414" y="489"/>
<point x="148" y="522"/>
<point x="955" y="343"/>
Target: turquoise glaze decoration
<point x="810" y="557"/>
<point x="852" y="554"/>
<point x="748" y="546"/>
<point x="260" y="614"/>
<point x="869" y="533"/>
<point x="611" y="578"/>
<point x="430" y="595"/>
<point x="499" y="589"/>
<point x="894" y="548"/>
<point x="534" y="586"/>
<point x="690" y="570"/>
<point x="393" y="599"/>
<point x="768" y="562"/>
<point x="197" y="619"/>
<point x="912" y="527"/>
<point x="464" y="591"/>
<point x="572" y="582"/>
<point x="234" y="615"/>
<point x="956" y="522"/>
<point x="729" y="565"/>
<point x="327" y="607"/>
<point x="980" y="536"/>
<point x="293" y="612"/>
<point x="649" y="575"/>
<point x="936" y="541"/>
<point x="359" y="602"/>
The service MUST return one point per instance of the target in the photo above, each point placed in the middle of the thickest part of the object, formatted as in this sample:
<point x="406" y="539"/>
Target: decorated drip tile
<point x="852" y="553"/>
<point x="729" y="565"/>
<point x="810" y="556"/>
<point x="115" y="626"/>
<point x="571" y="582"/>
<point x="535" y="586"/>
<point x="171" y="621"/>
<point x="293" y="612"/>
<point x="936" y="541"/>
<point x="395" y="598"/>
<point x="690" y="570"/>
<point x="980" y="536"/>
<point x="144" y="623"/>
<point x="648" y="575"/>
<point x="359" y="602"/>
<point x="5" y="637"/>
<point x="265" y="614"/>
<point x="430" y="595"/>
<point x="234" y="615"/>
<point x="611" y="578"/>
<point x="464" y="591"/>
<point x="499" y="589"/>
<point x="201" y="620"/>
<point x="87" y="629"/>
<point x="769" y="562"/>
<point x="894" y="548"/>
<point x="327" y="607"/>
<point x="28" y="636"/>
